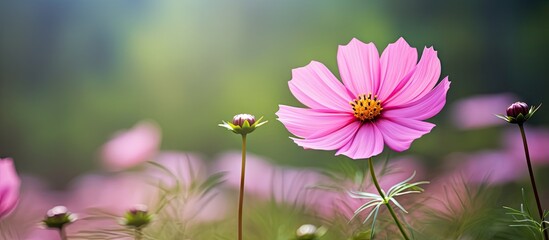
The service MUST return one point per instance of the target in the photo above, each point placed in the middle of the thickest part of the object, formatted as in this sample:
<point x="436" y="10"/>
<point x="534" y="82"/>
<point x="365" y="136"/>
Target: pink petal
<point x="316" y="87"/>
<point x="368" y="142"/>
<point x="421" y="81"/>
<point x="359" y="67"/>
<point x="9" y="187"/>
<point x="397" y="60"/>
<point x="331" y="141"/>
<point x="423" y="108"/>
<point x="398" y="133"/>
<point x="309" y="123"/>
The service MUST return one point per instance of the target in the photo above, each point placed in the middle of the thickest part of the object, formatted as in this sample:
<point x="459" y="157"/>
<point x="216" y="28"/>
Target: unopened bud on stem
<point x="243" y="124"/>
<point x="58" y="217"/>
<point x="519" y="113"/>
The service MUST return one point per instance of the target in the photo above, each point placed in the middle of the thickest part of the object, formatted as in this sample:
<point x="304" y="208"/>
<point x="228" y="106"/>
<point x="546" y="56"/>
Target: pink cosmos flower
<point x="9" y="187"/>
<point x="132" y="147"/>
<point x="382" y="100"/>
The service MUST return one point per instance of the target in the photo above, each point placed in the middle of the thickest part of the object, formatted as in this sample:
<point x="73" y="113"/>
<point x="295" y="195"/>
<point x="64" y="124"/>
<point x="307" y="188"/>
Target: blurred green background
<point x="75" y="72"/>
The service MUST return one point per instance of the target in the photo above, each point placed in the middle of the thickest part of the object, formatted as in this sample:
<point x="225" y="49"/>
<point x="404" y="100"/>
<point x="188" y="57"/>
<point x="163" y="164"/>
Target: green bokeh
<point x="75" y="72"/>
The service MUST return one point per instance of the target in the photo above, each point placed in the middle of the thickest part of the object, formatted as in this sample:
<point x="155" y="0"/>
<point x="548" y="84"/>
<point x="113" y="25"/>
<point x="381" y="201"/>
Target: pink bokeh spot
<point x="538" y="144"/>
<point x="493" y="167"/>
<point x="188" y="170"/>
<point x="132" y="147"/>
<point x="478" y="111"/>
<point x="406" y="89"/>
<point x="268" y="181"/>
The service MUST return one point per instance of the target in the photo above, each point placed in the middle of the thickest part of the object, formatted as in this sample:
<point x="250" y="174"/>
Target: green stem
<point x="241" y="193"/>
<point x="372" y="172"/>
<point x="138" y="234"/>
<point x="63" y="233"/>
<point x="532" y="180"/>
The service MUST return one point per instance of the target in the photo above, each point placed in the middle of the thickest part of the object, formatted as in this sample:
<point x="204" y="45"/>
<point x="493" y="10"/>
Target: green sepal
<point x="58" y="221"/>
<point x="520" y="118"/>
<point x="137" y="220"/>
<point x="246" y="127"/>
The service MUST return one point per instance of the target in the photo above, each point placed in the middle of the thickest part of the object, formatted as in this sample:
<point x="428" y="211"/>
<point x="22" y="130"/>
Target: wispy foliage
<point x="182" y="195"/>
<point x="522" y="218"/>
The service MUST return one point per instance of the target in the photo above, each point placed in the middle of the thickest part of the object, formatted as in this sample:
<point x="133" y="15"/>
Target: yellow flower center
<point x="366" y="108"/>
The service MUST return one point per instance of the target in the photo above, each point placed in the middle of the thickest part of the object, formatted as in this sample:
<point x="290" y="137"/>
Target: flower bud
<point x="306" y="231"/>
<point x="9" y="187"/>
<point x="137" y="217"/>
<point x="241" y="118"/>
<point x="309" y="232"/>
<point x="243" y="124"/>
<point x="58" y="217"/>
<point x="519" y="113"/>
<point x="517" y="108"/>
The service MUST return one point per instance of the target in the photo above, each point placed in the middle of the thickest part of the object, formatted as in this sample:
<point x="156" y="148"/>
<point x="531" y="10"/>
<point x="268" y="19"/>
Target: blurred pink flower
<point x="452" y="194"/>
<point x="296" y="186"/>
<point x="494" y="167"/>
<point x="132" y="147"/>
<point x="99" y="200"/>
<point x="259" y="172"/>
<point x="267" y="181"/>
<point x="35" y="199"/>
<point x="478" y="111"/>
<point x="538" y="144"/>
<point x="110" y="193"/>
<point x="383" y="100"/>
<point x="189" y="171"/>
<point x="9" y="187"/>
<point x="505" y="165"/>
<point x="185" y="168"/>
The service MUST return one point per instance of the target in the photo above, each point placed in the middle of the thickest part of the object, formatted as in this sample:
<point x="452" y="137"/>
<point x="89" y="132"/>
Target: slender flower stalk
<point x="242" y="124"/>
<point x="137" y="217"/>
<point x="381" y="193"/>
<point x="241" y="192"/>
<point x="138" y="234"/>
<point x="63" y="233"/>
<point x="58" y="218"/>
<point x="533" y="181"/>
<point x="518" y="113"/>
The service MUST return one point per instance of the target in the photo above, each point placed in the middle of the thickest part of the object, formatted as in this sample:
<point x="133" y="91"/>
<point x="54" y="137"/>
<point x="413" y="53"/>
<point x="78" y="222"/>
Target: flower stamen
<point x="366" y="108"/>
